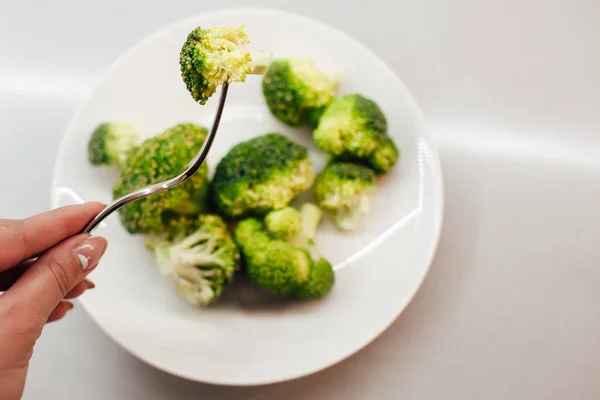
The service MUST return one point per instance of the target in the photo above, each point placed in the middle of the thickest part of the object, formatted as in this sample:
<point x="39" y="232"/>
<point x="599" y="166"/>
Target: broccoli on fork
<point x="212" y="56"/>
<point x="111" y="142"/>
<point x="201" y="260"/>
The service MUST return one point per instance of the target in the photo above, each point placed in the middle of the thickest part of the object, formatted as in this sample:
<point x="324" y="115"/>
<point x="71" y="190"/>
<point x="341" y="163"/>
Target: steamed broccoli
<point x="284" y="223"/>
<point x="314" y="116"/>
<point x="384" y="157"/>
<point x="212" y="56"/>
<point x="293" y="88"/>
<point x="296" y="227"/>
<point x="354" y="128"/>
<point x="287" y="265"/>
<point x="155" y="160"/>
<point x="343" y="190"/>
<point x="201" y="260"/>
<point x="111" y="142"/>
<point x="272" y="264"/>
<point x="321" y="277"/>
<point x="320" y="281"/>
<point x="259" y="175"/>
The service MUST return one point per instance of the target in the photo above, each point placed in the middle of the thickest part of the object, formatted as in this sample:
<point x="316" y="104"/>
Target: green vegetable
<point x="320" y="281"/>
<point x="314" y="116"/>
<point x="200" y="261"/>
<point x="111" y="142"/>
<point x="343" y="190"/>
<point x="259" y="175"/>
<point x="354" y="128"/>
<point x="284" y="223"/>
<point x="157" y="159"/>
<point x="293" y="88"/>
<point x="286" y="264"/>
<point x="384" y="157"/>
<point x="212" y="56"/>
<point x="272" y="264"/>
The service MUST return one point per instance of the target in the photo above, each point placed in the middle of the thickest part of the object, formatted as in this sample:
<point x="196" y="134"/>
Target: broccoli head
<point x="284" y="223"/>
<point x="271" y="263"/>
<point x="157" y="159"/>
<point x="354" y="128"/>
<point x="319" y="283"/>
<point x="111" y="142"/>
<point x="285" y="266"/>
<point x="259" y="175"/>
<point x="384" y="157"/>
<point x="293" y="88"/>
<point x="343" y="190"/>
<point x="201" y="260"/>
<point x="212" y="56"/>
<point x="314" y="116"/>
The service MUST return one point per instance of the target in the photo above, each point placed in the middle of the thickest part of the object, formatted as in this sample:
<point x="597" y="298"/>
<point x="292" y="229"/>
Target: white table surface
<point x="511" y="89"/>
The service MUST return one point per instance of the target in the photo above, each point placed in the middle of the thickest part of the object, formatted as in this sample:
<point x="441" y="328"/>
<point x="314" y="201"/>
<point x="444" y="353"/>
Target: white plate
<point x="245" y="340"/>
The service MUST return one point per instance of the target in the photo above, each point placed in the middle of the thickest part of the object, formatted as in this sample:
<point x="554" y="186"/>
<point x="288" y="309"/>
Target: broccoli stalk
<point x="200" y="263"/>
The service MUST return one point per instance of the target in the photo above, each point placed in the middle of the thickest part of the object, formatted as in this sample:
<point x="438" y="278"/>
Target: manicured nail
<point x="89" y="252"/>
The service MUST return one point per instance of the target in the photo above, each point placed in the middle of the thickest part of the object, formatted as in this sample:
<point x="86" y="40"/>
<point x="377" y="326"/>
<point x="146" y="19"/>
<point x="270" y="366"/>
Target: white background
<point x="511" y="90"/>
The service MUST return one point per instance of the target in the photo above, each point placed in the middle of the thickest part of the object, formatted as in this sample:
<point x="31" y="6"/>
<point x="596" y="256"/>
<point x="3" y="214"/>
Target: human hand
<point x="35" y="291"/>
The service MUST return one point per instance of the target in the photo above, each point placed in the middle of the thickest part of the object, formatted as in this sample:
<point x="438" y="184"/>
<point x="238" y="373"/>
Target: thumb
<point x="48" y="280"/>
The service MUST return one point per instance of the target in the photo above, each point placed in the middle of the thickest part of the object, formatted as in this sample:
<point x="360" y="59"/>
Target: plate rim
<point x="437" y="177"/>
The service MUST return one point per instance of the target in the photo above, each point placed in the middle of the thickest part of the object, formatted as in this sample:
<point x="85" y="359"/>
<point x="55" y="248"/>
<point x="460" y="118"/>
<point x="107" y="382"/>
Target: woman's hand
<point x="35" y="291"/>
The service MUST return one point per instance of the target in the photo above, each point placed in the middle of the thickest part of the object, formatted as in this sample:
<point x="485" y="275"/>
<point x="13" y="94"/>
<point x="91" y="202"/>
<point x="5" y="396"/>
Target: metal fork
<point x="166" y="185"/>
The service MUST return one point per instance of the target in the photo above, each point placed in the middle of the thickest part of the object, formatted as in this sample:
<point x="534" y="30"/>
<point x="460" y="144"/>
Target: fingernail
<point x="89" y="252"/>
<point x="70" y="306"/>
<point x="90" y="284"/>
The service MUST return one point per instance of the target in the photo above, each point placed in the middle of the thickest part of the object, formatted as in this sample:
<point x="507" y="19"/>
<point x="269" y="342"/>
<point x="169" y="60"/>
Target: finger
<point x="55" y="274"/>
<point x="60" y="311"/>
<point x="23" y="239"/>
<point x="78" y="290"/>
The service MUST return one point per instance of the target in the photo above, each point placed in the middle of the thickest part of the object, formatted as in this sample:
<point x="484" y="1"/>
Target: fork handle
<point x="190" y="169"/>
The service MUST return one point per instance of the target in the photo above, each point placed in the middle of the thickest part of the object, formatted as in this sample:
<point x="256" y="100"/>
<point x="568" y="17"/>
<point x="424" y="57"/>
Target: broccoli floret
<point x="321" y="277"/>
<point x="286" y="267"/>
<point x="320" y="281"/>
<point x="259" y="175"/>
<point x="284" y="223"/>
<point x="354" y="128"/>
<point x="201" y="261"/>
<point x="314" y="116"/>
<point x="343" y="190"/>
<point x="157" y="159"/>
<point x="272" y="264"/>
<point x="294" y="87"/>
<point x="212" y="56"/>
<point x="384" y="157"/>
<point x="111" y="142"/>
<point x="296" y="227"/>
